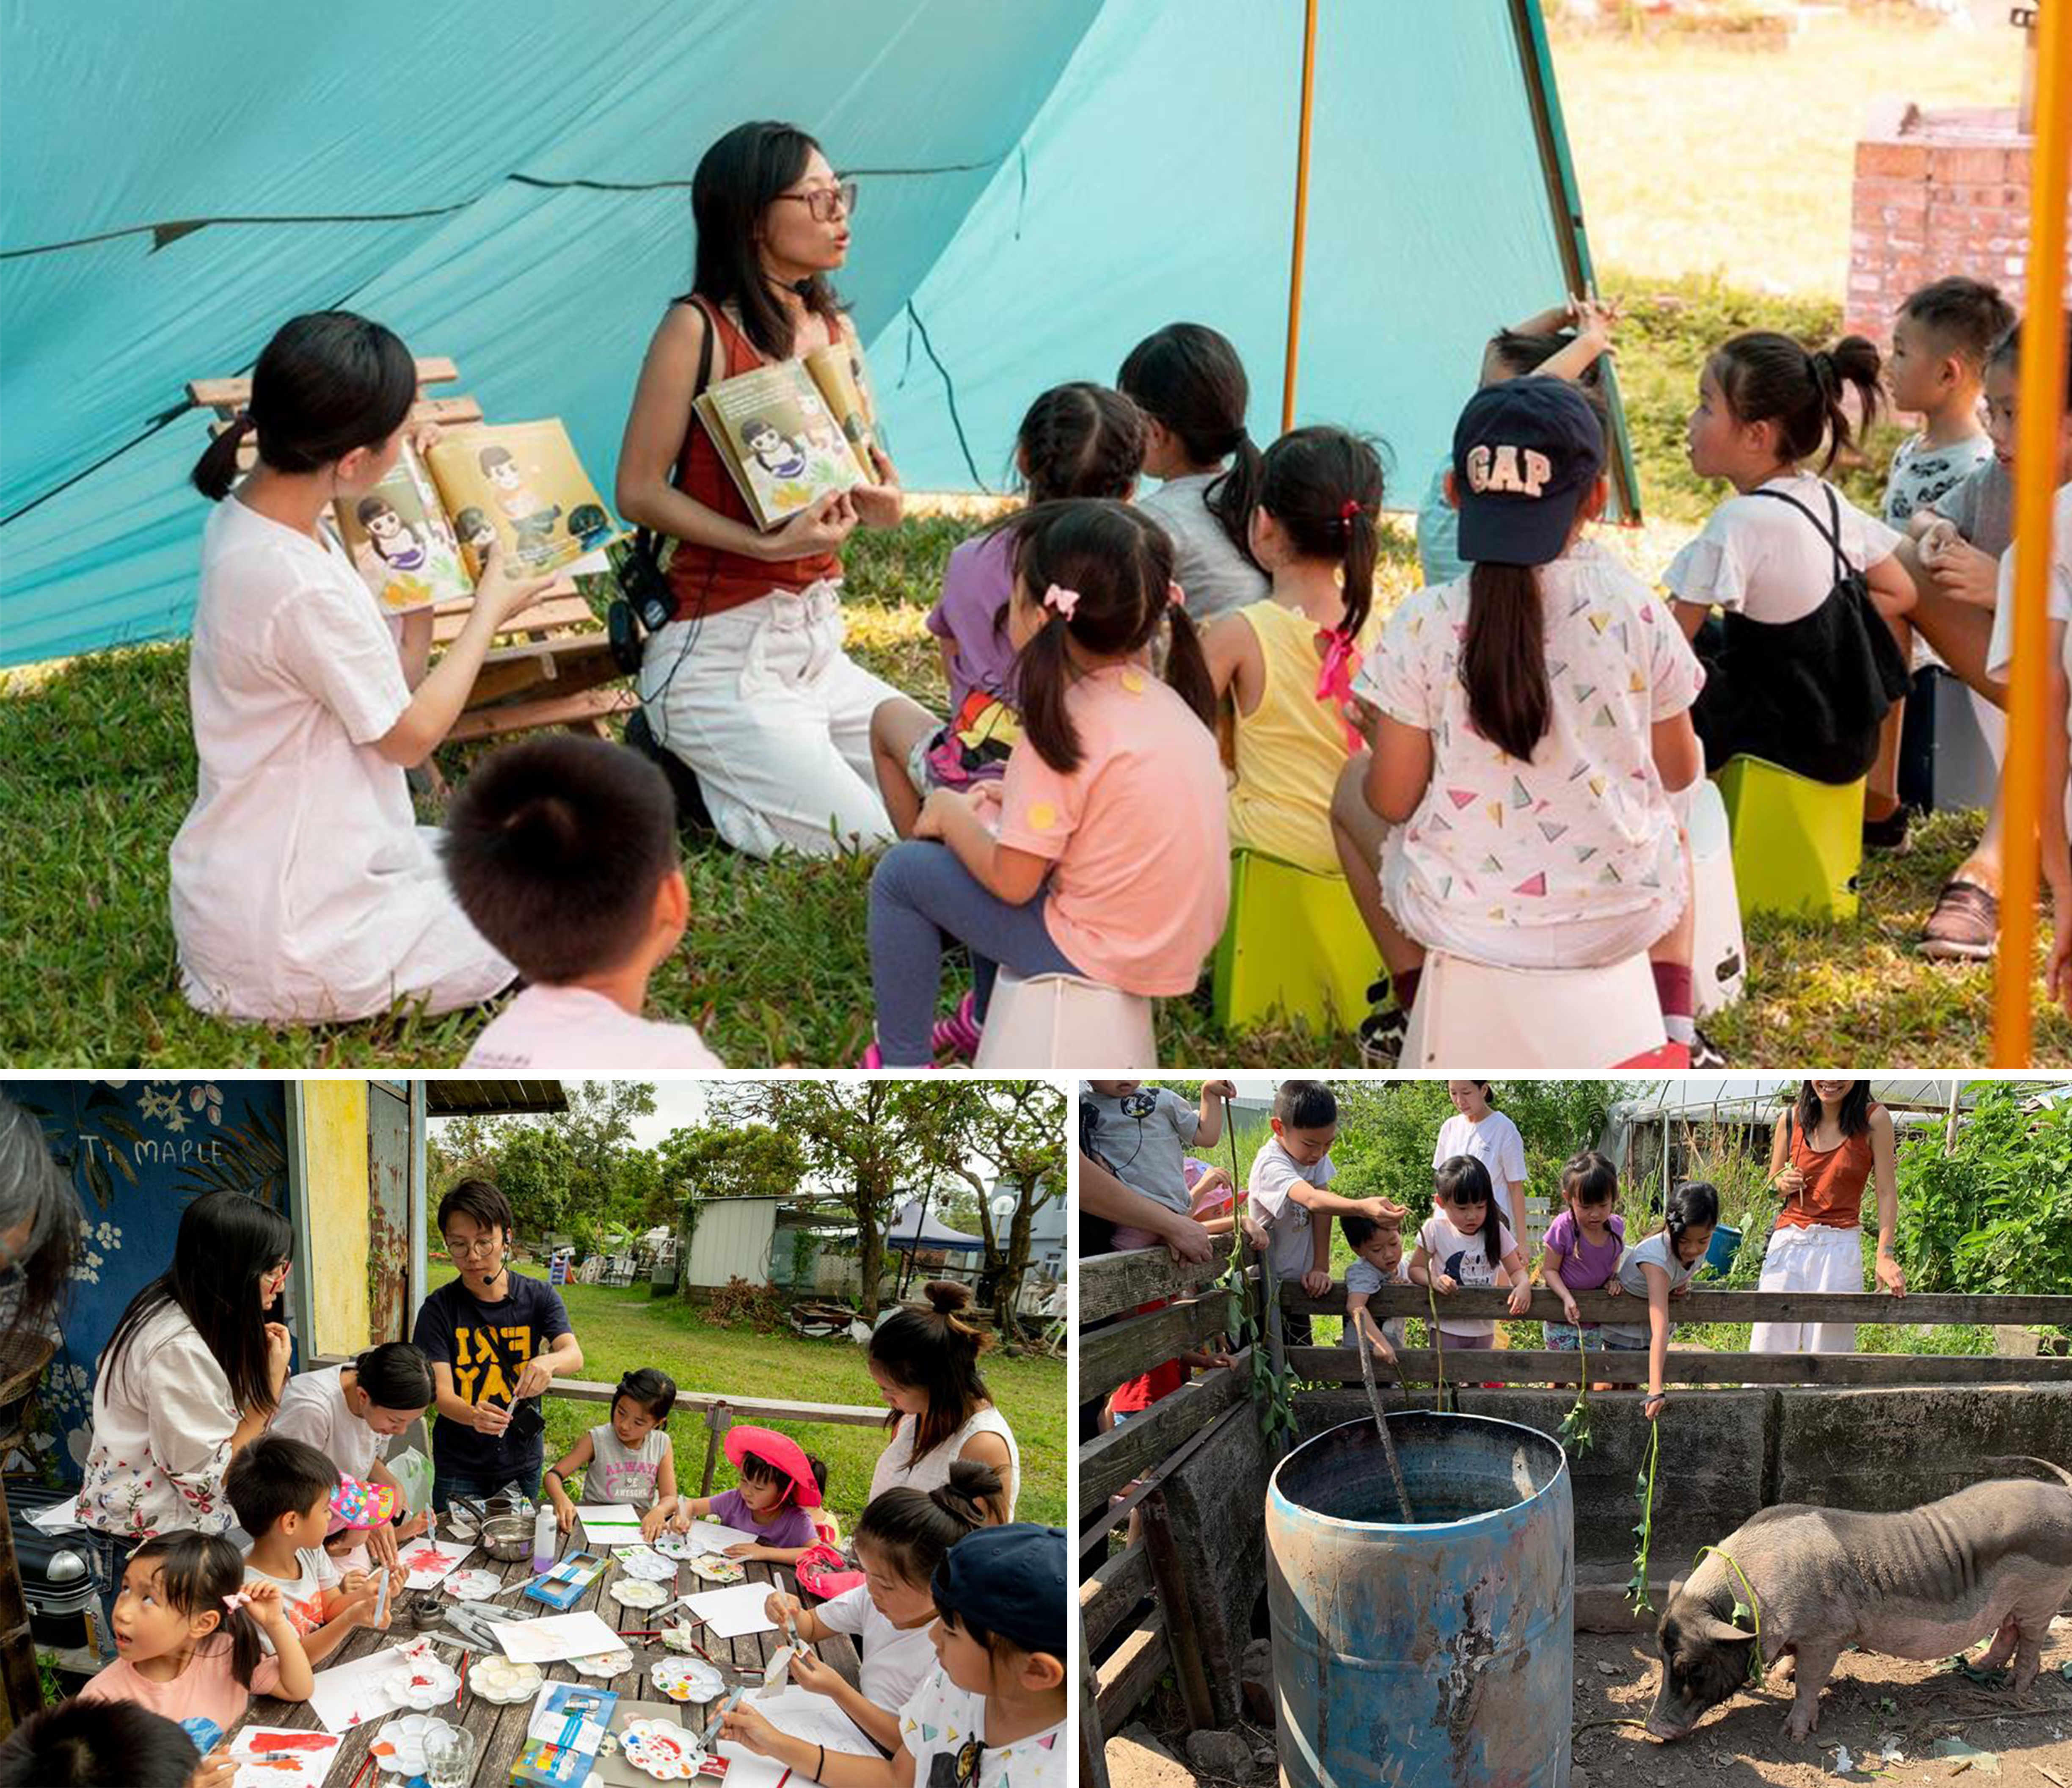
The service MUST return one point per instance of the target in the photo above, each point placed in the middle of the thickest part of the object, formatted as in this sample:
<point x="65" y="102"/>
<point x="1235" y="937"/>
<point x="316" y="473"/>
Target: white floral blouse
<point x="163" y="1423"/>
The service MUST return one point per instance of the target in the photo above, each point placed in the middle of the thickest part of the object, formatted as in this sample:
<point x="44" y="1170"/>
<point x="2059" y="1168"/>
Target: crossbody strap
<point x="1844" y="571"/>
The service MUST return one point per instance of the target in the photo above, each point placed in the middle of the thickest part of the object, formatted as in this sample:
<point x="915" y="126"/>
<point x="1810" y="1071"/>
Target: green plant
<point x="1574" y="1433"/>
<point x="1643" y="1529"/>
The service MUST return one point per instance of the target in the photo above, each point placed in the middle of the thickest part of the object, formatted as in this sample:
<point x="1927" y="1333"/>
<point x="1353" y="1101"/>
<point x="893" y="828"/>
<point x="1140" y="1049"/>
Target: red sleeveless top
<point x="1835" y="1178"/>
<point x="708" y="579"/>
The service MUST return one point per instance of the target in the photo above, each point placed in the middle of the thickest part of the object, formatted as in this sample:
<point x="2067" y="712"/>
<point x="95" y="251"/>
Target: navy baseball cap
<point x="1526" y="452"/>
<point x="1008" y="1580"/>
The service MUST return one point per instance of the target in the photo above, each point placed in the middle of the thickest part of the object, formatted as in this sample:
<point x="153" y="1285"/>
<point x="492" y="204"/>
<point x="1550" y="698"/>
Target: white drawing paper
<point x="814" y="1718"/>
<point x="312" y="1753"/>
<point x="346" y="1696"/>
<point x="554" y="1637"/>
<point x="733" y="1611"/>
<point x="428" y="1560"/>
<point x="607" y="1524"/>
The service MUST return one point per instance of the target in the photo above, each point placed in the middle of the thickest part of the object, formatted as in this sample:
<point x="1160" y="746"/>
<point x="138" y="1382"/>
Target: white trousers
<point x="1817" y="1258"/>
<point x="774" y="716"/>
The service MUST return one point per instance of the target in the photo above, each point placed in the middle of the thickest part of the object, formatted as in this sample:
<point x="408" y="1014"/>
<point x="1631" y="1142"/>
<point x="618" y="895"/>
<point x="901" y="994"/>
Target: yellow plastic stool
<point x="1797" y="843"/>
<point x="1295" y="944"/>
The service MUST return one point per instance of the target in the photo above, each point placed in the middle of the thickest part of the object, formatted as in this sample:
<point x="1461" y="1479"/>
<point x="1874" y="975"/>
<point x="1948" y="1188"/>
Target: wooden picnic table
<point x="500" y="1731"/>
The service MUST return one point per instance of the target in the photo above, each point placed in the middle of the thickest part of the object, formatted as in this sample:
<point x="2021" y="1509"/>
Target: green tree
<point x="1019" y="1126"/>
<point x="1995" y="1213"/>
<point x="866" y="1139"/>
<point x="728" y="1160"/>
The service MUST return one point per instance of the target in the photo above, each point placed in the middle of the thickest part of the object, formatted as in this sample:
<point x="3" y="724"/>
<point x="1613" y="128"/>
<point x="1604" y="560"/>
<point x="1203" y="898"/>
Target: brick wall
<point x="1935" y="193"/>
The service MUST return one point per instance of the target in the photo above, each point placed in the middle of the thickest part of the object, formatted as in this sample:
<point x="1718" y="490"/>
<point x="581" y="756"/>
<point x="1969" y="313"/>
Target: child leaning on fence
<point x="1659" y="1269"/>
<point x="1583" y="1246"/>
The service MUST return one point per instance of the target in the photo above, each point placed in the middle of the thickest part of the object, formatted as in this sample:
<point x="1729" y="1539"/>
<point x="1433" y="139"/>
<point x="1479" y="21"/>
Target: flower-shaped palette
<point x="667" y="1753"/>
<point x="422" y="1685"/>
<point x="672" y="1544"/>
<point x="716" y="1569"/>
<point x="498" y="1679"/>
<point x="682" y="1637"/>
<point x="640" y="1561"/>
<point x="686" y="1679"/>
<point x="402" y="1745"/>
<point x="603" y="1663"/>
<point x="471" y="1584"/>
<point x="638" y="1592"/>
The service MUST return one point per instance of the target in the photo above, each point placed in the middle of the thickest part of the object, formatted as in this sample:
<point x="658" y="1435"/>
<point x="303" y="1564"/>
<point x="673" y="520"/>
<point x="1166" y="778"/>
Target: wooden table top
<point x="500" y="1731"/>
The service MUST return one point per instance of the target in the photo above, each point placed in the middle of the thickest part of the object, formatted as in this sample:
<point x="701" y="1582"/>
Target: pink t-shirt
<point x="205" y="1699"/>
<point x="570" y="1028"/>
<point x="1137" y="835"/>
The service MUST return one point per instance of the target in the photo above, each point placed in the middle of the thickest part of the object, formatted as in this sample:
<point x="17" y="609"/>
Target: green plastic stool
<point x="1797" y="843"/>
<point x="1294" y="945"/>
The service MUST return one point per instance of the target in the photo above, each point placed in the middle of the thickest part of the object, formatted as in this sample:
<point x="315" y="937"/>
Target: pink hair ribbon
<point x="1174" y="594"/>
<point x="238" y="1600"/>
<point x="1062" y="599"/>
<point x="1334" y="681"/>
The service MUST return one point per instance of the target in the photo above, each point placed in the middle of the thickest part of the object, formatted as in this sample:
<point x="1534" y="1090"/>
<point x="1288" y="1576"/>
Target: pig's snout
<point x="1658" y="1728"/>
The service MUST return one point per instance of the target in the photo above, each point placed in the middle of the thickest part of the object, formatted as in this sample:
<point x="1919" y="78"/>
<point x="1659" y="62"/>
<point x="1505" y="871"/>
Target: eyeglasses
<point x="478" y="1249"/>
<point x="823" y="199"/>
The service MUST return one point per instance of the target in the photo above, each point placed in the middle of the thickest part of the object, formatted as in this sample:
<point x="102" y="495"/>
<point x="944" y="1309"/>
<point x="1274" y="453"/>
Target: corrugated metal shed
<point x="489" y="1099"/>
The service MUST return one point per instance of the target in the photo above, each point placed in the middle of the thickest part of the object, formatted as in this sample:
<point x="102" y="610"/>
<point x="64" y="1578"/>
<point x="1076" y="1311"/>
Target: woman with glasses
<point x="193" y="1372"/>
<point x="749" y="684"/>
<point x="495" y="1340"/>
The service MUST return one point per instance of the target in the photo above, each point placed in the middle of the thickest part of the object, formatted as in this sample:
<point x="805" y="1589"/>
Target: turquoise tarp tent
<point x="1043" y="182"/>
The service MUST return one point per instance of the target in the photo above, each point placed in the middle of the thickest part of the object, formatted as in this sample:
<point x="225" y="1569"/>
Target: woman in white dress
<point x="304" y="890"/>
<point x="1478" y="1128"/>
<point x="925" y="1359"/>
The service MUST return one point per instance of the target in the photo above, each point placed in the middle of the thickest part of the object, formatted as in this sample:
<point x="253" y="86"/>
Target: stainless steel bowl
<point x="507" y="1537"/>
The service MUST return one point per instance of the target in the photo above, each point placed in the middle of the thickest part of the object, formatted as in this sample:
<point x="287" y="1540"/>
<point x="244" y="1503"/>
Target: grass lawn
<point x="1697" y="154"/>
<point x="622" y="1329"/>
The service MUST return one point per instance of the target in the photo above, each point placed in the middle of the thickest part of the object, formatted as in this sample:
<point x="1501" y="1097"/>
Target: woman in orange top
<point x="750" y="684"/>
<point x="1833" y="1142"/>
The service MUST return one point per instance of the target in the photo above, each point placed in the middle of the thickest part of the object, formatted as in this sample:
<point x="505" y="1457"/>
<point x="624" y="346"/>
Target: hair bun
<point x="947" y="1296"/>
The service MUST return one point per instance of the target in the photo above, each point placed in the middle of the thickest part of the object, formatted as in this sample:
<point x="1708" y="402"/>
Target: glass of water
<point x="449" y="1758"/>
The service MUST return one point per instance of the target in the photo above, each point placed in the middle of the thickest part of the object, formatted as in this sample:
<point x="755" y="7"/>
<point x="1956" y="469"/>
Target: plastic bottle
<point x="543" y="1541"/>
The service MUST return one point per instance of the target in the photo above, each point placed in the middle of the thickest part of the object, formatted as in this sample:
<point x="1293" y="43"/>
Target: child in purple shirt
<point x="1584" y="1244"/>
<point x="1077" y="440"/>
<point x="779" y="1487"/>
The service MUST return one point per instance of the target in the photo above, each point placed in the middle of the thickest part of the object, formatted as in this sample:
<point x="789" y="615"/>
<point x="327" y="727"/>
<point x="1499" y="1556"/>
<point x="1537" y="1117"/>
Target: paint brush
<point x="460" y="1688"/>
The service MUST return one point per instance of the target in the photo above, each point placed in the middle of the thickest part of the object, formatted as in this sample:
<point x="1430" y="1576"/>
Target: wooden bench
<point x="557" y="670"/>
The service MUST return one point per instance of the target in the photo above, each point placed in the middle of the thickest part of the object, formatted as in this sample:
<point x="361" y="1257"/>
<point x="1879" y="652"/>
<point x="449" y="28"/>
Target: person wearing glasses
<point x="495" y="1340"/>
<point x="749" y="684"/>
<point x="192" y="1373"/>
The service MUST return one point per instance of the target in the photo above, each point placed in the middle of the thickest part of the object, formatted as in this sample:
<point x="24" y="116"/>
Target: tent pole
<point x="1301" y="213"/>
<point x="2042" y="396"/>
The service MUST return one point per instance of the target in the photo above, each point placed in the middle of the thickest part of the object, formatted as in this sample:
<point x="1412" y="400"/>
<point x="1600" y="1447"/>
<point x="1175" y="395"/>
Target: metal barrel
<point x="1437" y="1654"/>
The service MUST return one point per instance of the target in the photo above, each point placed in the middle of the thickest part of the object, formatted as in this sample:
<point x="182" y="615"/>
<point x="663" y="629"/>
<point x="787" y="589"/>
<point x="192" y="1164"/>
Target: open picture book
<point x="420" y="536"/>
<point x="792" y="432"/>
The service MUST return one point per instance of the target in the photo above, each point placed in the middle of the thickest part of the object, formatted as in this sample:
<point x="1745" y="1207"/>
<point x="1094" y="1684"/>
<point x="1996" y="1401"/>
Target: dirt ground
<point x="1743" y="1743"/>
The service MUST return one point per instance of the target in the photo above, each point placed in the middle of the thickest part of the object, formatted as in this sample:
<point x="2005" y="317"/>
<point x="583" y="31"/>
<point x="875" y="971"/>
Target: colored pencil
<point x="460" y="1688"/>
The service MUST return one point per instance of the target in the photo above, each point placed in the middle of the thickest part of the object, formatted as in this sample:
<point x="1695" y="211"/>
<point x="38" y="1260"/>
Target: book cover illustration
<point x="521" y="484"/>
<point x="777" y="437"/>
<point x="400" y="540"/>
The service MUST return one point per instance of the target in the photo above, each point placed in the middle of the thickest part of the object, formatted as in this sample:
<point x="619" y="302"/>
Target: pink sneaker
<point x="957" y="1036"/>
<point x="874" y="1058"/>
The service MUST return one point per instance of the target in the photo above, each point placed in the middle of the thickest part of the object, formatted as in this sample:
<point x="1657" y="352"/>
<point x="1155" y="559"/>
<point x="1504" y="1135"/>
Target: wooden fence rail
<point x="1924" y="1308"/>
<point x="1686" y="1367"/>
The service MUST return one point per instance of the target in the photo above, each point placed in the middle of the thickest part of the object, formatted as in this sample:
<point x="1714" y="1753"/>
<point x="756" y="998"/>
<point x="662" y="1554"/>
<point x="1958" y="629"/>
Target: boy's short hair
<point x="81" y="1744"/>
<point x="554" y="849"/>
<point x="1360" y="1231"/>
<point x="1305" y="1105"/>
<point x="275" y="1477"/>
<point x="1967" y="317"/>
<point x="481" y="1200"/>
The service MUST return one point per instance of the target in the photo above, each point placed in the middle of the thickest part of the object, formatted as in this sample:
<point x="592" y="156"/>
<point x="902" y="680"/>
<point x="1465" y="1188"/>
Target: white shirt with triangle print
<point x="1582" y="833"/>
<point x="941" y="1719"/>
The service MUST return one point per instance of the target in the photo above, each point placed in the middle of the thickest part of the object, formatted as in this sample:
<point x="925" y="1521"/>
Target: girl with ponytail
<point x="899" y="1541"/>
<point x="1086" y="857"/>
<point x="924" y="1358"/>
<point x="1804" y="664"/>
<point x="1191" y="387"/>
<point x="1287" y="662"/>
<point x="1532" y="746"/>
<point x="187" y="1629"/>
<point x="303" y="890"/>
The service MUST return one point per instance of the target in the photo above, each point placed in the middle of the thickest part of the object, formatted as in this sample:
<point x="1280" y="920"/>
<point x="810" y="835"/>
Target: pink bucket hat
<point x="781" y="1451"/>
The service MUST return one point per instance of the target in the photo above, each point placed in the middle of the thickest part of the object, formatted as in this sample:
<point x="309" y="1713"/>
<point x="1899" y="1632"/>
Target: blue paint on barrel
<point x="1433" y="1655"/>
<point x="1720" y="1250"/>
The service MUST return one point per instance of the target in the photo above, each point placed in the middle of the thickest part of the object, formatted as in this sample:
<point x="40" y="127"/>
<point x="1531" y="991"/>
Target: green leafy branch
<point x="1643" y="1531"/>
<point x="1575" y="1433"/>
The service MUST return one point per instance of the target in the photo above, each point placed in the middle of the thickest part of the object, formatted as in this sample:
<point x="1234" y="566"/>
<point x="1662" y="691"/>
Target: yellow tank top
<point x="1291" y="749"/>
